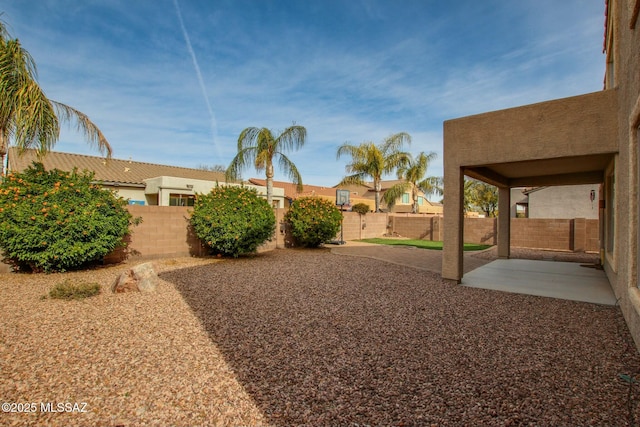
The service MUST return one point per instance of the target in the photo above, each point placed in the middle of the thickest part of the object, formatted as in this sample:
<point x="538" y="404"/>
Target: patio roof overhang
<point x="560" y="142"/>
<point x="574" y="170"/>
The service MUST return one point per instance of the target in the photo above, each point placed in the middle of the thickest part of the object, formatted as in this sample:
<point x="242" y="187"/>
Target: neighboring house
<point x="140" y="183"/>
<point x="403" y="203"/>
<point x="586" y="139"/>
<point x="559" y="202"/>
<point x="291" y="192"/>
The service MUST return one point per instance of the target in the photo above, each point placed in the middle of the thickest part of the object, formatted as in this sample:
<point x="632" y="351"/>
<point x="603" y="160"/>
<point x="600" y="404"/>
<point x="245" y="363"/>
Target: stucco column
<point x="452" y="256"/>
<point x="504" y="222"/>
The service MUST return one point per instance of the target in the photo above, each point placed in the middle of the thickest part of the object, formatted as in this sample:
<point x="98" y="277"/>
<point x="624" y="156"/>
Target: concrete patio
<point x="573" y="281"/>
<point x="563" y="280"/>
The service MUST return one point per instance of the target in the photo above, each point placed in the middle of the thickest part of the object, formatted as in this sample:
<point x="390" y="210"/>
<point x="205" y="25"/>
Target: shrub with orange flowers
<point x="232" y="220"/>
<point x="56" y="221"/>
<point x="313" y="221"/>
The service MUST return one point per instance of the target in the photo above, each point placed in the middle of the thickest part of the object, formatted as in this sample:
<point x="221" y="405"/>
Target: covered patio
<point x="563" y="280"/>
<point x="561" y="142"/>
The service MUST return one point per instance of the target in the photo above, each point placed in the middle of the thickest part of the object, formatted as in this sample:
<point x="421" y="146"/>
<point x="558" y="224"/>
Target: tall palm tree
<point x="413" y="175"/>
<point x="259" y="147"/>
<point x="372" y="161"/>
<point x="27" y="116"/>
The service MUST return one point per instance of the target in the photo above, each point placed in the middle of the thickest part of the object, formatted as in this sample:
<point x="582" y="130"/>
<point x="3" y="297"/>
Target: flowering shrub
<point x="55" y="220"/>
<point x="313" y="220"/>
<point x="233" y="220"/>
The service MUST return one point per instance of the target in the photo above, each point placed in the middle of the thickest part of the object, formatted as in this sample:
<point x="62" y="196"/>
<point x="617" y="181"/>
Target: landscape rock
<point x="141" y="278"/>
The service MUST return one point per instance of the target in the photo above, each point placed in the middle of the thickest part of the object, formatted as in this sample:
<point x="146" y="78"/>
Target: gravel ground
<point x="294" y="337"/>
<point x="323" y="339"/>
<point x="134" y="359"/>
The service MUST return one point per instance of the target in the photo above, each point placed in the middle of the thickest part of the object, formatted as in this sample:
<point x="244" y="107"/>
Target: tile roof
<point x="111" y="170"/>
<point x="291" y="192"/>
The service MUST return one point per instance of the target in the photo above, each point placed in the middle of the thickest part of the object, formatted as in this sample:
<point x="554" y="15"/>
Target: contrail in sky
<point x="214" y="123"/>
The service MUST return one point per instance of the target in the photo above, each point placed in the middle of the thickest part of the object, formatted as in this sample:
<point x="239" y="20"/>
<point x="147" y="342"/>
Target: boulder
<point x="141" y="278"/>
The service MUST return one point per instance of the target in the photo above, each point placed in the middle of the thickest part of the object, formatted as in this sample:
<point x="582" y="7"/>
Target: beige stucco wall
<point x="163" y="186"/>
<point x="564" y="202"/>
<point x="622" y="265"/>
<point x="579" y="125"/>
<point x="130" y="193"/>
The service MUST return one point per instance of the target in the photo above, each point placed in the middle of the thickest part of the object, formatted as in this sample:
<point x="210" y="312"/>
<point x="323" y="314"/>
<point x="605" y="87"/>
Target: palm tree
<point x="258" y="146"/>
<point x="371" y="161"/>
<point x="27" y="116"/>
<point x="413" y="175"/>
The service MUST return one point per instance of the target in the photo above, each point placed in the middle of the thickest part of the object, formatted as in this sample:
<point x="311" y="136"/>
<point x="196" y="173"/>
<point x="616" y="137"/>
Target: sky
<point x="176" y="81"/>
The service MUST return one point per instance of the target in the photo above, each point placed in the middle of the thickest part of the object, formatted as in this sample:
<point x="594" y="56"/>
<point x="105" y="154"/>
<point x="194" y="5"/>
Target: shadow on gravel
<point x="322" y="339"/>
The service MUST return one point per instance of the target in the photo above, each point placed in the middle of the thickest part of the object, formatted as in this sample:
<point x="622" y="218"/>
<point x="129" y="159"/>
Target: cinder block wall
<point x="578" y="235"/>
<point x="367" y="226"/>
<point x="417" y="226"/>
<point x="542" y="233"/>
<point x="163" y="232"/>
<point x="481" y="230"/>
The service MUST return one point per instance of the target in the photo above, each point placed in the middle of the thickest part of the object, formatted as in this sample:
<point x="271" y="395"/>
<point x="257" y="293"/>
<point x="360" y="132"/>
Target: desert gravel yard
<point x="293" y="337"/>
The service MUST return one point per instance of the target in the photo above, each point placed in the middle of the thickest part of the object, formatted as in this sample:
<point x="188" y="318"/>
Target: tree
<point x="482" y="196"/>
<point x="211" y="168"/>
<point x="27" y="117"/>
<point x="260" y="147"/>
<point x="413" y="173"/>
<point x="372" y="161"/>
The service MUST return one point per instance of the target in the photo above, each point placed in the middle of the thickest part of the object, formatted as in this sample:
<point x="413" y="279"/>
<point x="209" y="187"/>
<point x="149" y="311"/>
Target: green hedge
<point x="313" y="221"/>
<point x="56" y="221"/>
<point x="233" y="220"/>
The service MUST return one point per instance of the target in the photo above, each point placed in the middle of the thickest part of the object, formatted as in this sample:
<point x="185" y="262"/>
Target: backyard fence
<point x="165" y="232"/>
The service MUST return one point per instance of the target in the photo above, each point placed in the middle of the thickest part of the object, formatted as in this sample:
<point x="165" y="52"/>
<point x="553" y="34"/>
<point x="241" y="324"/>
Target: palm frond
<point x="347" y="148"/>
<point x="84" y="125"/>
<point x="394" y="193"/>
<point x="290" y="169"/>
<point x="432" y="185"/>
<point x="395" y="142"/>
<point x="4" y="33"/>
<point x="242" y="159"/>
<point x="292" y="138"/>
<point x="355" y="179"/>
<point x="35" y="124"/>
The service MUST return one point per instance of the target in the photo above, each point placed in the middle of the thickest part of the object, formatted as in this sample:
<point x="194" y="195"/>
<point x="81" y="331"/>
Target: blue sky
<point x="176" y="81"/>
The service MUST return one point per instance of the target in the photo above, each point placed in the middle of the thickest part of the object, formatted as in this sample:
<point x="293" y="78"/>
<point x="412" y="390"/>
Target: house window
<point x="181" y="199"/>
<point x="420" y="201"/>
<point x="405" y="198"/>
<point x="522" y="210"/>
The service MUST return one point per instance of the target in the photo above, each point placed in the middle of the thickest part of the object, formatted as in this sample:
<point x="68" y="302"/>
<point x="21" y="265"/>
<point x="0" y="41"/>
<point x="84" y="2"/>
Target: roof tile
<point x="107" y="170"/>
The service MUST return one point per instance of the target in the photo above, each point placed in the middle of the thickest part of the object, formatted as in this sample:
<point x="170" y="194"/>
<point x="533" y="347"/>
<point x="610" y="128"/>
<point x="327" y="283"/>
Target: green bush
<point x="233" y="220"/>
<point x="56" y="221"/>
<point x="313" y="220"/>
<point x="361" y="208"/>
<point x="68" y="291"/>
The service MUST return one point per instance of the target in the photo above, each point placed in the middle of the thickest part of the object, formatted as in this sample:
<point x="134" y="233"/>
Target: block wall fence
<point x="165" y="232"/>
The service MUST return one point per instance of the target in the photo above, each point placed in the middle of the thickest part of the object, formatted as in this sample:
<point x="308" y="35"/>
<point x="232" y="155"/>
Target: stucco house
<point x="291" y="192"/>
<point x="403" y="203"/>
<point x="585" y="139"/>
<point x="559" y="202"/>
<point x="140" y="183"/>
